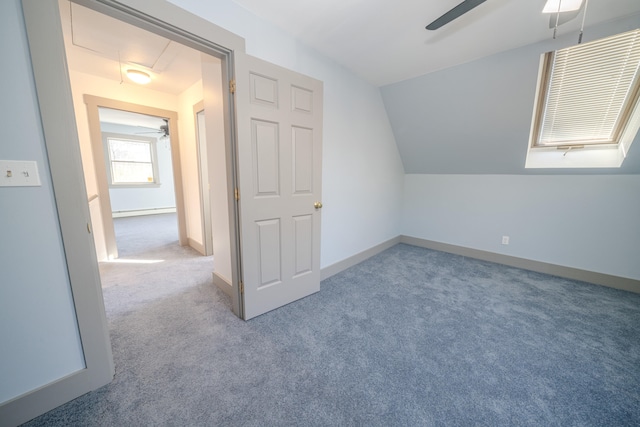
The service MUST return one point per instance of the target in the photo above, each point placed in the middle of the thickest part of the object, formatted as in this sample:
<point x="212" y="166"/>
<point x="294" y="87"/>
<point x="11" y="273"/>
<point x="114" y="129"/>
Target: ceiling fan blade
<point x="454" y="13"/>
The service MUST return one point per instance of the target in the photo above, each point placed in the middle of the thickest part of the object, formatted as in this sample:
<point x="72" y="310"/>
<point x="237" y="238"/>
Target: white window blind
<point x="591" y="89"/>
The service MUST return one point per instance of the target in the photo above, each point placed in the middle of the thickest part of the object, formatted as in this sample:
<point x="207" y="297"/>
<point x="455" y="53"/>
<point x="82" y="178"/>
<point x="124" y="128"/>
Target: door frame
<point x="203" y="179"/>
<point x="54" y="98"/>
<point x="174" y="23"/>
<point x="93" y="104"/>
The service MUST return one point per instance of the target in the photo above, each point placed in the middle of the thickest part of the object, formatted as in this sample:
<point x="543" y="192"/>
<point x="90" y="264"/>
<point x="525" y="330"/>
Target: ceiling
<point x="105" y="47"/>
<point x="385" y="41"/>
<point x="382" y="41"/>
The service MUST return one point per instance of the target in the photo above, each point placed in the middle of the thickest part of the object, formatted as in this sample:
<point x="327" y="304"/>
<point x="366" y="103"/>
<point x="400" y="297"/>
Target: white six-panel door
<point x="279" y="115"/>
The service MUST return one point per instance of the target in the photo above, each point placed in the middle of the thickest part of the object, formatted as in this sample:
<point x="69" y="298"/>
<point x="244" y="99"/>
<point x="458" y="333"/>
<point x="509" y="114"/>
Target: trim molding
<point x="62" y="153"/>
<point x="222" y="283"/>
<point x="199" y="247"/>
<point x="608" y="280"/>
<point x="154" y="211"/>
<point x="43" y="399"/>
<point x="339" y="266"/>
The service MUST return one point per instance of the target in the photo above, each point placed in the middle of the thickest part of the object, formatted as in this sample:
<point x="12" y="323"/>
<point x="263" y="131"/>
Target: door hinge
<point x="237" y="194"/>
<point x="232" y="86"/>
<point x="88" y="228"/>
<point x="242" y="287"/>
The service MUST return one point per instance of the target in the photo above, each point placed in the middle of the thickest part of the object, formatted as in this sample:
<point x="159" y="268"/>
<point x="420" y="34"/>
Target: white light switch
<point x="19" y="173"/>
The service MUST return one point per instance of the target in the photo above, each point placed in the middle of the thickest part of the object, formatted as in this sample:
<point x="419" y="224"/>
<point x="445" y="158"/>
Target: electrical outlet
<point x="505" y="240"/>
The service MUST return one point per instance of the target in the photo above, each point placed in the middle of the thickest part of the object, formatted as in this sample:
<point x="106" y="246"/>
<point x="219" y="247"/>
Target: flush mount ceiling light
<point x="555" y="6"/>
<point x="138" y="76"/>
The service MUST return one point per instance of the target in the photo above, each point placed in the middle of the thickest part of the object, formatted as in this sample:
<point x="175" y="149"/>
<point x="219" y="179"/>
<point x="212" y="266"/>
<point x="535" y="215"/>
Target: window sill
<point x="141" y="185"/>
<point x="588" y="157"/>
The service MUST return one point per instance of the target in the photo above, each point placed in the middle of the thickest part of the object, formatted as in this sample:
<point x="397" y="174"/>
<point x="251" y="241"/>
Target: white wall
<point x="39" y="341"/>
<point x="125" y="199"/>
<point x="189" y="160"/>
<point x="589" y="222"/>
<point x="362" y="172"/>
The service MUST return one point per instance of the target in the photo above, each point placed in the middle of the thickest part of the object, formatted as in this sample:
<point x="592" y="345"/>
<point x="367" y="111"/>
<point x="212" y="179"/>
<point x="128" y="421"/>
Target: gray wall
<point x="39" y="340"/>
<point x="475" y="118"/>
<point x="463" y="133"/>
<point x="589" y="222"/>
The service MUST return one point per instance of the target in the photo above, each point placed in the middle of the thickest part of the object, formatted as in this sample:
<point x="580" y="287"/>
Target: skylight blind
<point x="589" y="91"/>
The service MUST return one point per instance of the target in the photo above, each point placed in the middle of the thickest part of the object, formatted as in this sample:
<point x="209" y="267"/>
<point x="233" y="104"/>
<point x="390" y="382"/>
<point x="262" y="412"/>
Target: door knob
<point x="317" y="205"/>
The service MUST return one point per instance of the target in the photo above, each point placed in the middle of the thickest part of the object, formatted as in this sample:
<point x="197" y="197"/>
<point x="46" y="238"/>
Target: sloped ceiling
<point x="459" y="99"/>
<point x="385" y="41"/>
<point x="475" y="118"/>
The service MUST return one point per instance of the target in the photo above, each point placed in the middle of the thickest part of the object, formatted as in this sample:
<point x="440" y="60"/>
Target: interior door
<point x="279" y="115"/>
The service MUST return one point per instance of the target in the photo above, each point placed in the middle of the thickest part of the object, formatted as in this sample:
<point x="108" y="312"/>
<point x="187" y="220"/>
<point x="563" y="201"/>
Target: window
<point x="587" y="101"/>
<point x="131" y="161"/>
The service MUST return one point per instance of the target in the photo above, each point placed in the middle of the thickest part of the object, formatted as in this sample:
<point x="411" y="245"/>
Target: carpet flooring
<point x="410" y="337"/>
<point x="151" y="264"/>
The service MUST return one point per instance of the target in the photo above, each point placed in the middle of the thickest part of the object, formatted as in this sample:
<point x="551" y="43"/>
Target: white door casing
<point x="279" y="115"/>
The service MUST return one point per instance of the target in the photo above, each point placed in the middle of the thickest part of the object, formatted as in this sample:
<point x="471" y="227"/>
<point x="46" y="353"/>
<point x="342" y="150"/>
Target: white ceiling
<point x="101" y="46"/>
<point x="385" y="41"/>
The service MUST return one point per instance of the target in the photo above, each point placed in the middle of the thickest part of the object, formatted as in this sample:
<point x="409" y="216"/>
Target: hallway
<point x="151" y="265"/>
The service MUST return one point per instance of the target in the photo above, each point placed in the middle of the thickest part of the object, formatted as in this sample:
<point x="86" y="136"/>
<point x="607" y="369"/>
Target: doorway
<point x="129" y="123"/>
<point x="137" y="153"/>
<point x="104" y="44"/>
<point x="119" y="114"/>
<point x="63" y="139"/>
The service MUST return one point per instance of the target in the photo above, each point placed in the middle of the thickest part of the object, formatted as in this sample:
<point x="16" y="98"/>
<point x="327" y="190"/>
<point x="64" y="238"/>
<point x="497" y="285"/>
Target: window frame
<point x="151" y="141"/>
<point x="581" y="153"/>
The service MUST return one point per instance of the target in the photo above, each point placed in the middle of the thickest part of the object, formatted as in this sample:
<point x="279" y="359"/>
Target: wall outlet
<point x="505" y="240"/>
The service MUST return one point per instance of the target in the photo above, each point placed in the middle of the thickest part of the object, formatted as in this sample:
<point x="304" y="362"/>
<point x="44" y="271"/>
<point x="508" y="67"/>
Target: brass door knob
<point x="317" y="205"/>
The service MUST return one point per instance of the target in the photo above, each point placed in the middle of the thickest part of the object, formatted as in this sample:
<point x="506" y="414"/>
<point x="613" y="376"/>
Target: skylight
<point x="587" y="99"/>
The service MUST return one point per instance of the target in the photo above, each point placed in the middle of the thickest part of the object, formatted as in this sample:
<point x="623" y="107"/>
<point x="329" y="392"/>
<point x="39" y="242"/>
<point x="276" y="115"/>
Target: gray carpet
<point x="410" y="337"/>
<point x="151" y="264"/>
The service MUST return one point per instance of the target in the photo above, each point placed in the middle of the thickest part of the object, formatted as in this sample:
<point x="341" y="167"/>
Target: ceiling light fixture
<point x="555" y="6"/>
<point x="139" y="77"/>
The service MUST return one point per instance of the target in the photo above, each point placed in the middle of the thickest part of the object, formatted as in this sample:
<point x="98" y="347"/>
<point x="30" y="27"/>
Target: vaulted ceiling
<point x="385" y="41"/>
<point x="459" y="99"/>
<point x="382" y="41"/>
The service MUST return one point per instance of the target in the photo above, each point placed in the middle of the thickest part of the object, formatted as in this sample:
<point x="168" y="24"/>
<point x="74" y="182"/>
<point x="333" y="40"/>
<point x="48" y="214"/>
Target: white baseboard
<point x="154" y="211"/>
<point x="339" y="266"/>
<point x="222" y="283"/>
<point x="608" y="280"/>
<point x="196" y="245"/>
<point x="43" y="399"/>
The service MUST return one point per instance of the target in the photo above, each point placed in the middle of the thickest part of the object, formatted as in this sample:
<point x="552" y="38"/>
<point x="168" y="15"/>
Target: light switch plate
<point x="19" y="173"/>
